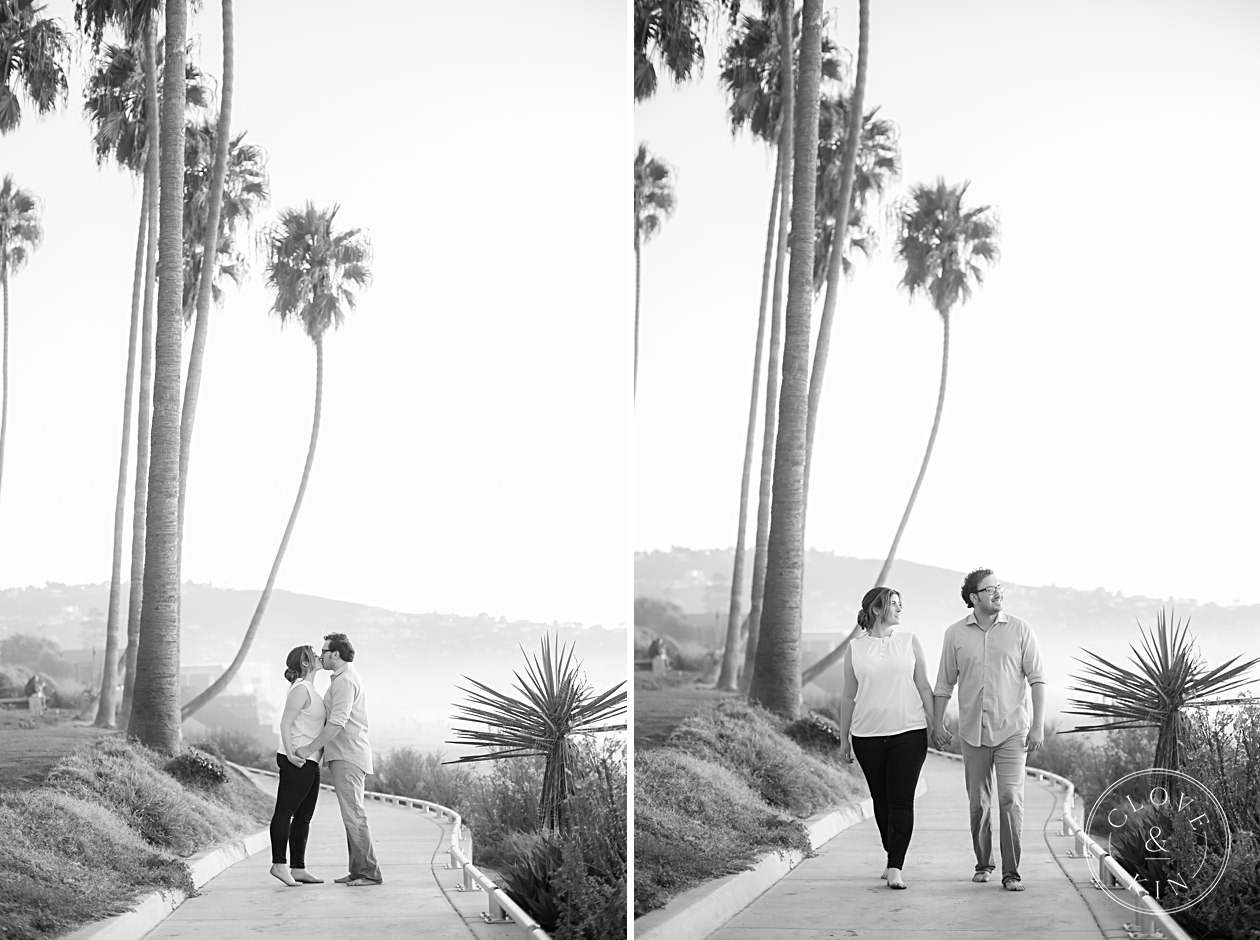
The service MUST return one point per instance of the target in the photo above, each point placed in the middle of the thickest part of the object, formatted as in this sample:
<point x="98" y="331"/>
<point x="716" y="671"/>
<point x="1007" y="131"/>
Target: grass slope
<point x="110" y="823"/>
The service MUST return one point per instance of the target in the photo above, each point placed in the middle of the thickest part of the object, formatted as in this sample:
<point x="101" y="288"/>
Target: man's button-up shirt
<point x="990" y="668"/>
<point x="346" y="705"/>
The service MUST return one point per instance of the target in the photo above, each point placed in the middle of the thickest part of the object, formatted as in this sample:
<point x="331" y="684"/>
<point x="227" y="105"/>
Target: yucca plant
<point x="1169" y="676"/>
<point x="557" y="704"/>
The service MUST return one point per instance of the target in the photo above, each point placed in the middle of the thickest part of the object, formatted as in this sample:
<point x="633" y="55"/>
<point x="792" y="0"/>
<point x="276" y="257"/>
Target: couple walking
<point x="337" y="724"/>
<point x="888" y="707"/>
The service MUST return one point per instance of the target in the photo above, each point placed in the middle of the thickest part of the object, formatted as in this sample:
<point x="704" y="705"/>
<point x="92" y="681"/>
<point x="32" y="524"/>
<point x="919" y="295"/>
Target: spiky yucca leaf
<point x="1167" y="677"/>
<point x="555" y="702"/>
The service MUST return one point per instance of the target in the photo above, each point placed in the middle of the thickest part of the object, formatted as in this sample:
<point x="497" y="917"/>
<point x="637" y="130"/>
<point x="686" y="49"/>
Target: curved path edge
<point x="700" y="911"/>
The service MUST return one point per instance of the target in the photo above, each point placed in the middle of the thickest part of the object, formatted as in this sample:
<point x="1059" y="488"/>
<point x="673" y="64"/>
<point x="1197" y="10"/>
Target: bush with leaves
<point x="815" y="731"/>
<point x="194" y="767"/>
<point x="238" y="747"/>
<point x="408" y="771"/>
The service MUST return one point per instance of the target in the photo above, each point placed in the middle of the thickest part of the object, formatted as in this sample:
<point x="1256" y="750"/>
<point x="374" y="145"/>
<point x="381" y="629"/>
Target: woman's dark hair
<point x="340" y="643"/>
<point x="301" y="660"/>
<point x="971" y="583"/>
<point x="874" y="603"/>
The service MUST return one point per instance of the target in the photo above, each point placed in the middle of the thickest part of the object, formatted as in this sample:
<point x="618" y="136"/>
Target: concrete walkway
<point x="839" y="893"/>
<point x="245" y="901"/>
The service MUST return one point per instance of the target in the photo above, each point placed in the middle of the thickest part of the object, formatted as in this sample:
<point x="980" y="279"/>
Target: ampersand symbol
<point x="1156" y="832"/>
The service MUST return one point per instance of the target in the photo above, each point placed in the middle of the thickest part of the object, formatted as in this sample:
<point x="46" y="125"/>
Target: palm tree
<point x="316" y="273"/>
<point x="757" y="72"/>
<point x="942" y="244"/>
<point x="556" y="704"/>
<point x="34" y="50"/>
<point x="776" y="671"/>
<point x="116" y="105"/>
<point x="668" y="31"/>
<point x="654" y="201"/>
<point x="245" y="192"/>
<point x="155" y="716"/>
<point x="1169" y="677"/>
<point x="20" y="234"/>
<point x="211" y="233"/>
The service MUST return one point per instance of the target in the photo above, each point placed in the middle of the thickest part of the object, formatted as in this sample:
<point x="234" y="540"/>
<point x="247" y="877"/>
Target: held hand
<point x="941" y="738"/>
<point x="1035" y="741"/>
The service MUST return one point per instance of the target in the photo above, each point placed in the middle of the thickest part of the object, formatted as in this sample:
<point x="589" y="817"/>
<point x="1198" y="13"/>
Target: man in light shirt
<point x="348" y="755"/>
<point x="990" y="655"/>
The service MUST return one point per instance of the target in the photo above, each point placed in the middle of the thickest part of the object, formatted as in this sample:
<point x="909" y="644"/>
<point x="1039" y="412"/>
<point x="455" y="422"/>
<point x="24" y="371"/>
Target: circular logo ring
<point x="1160" y="781"/>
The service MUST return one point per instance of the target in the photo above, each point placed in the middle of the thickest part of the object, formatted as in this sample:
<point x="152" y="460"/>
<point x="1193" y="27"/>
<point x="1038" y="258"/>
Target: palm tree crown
<point x="878" y="164"/>
<point x="316" y="272"/>
<point x="941" y="243"/>
<point x="751" y="70"/>
<point x="654" y="197"/>
<point x="245" y="192"/>
<point x="114" y="102"/>
<point x="33" y="50"/>
<point x="20" y="228"/>
<point x="668" y="32"/>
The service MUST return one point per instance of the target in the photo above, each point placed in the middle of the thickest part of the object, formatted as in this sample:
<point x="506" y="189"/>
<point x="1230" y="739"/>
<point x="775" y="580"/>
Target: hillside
<point x="411" y="663"/>
<point x="1067" y="620"/>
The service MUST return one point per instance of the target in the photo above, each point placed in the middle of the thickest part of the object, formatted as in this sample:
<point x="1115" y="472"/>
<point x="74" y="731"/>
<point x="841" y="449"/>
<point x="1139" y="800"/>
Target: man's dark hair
<point x="340" y="643"/>
<point x="971" y="583"/>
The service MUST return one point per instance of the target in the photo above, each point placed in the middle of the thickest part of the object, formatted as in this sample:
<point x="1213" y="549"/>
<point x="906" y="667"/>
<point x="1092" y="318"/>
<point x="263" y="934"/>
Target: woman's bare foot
<point x="302" y="876"/>
<point x="282" y="872"/>
<point x="980" y="876"/>
<point x="894" y="878"/>
<point x="884" y="876"/>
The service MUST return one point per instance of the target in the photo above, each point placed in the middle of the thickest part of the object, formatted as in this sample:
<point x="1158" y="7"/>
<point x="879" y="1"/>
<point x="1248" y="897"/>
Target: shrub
<point x="815" y="731"/>
<point x="530" y="859"/>
<point x="407" y="771"/>
<point x="503" y="802"/>
<point x="239" y="747"/>
<point x="748" y="741"/>
<point x="196" y="768"/>
<point x="1232" y="910"/>
<point x="591" y="880"/>
<point x="695" y="820"/>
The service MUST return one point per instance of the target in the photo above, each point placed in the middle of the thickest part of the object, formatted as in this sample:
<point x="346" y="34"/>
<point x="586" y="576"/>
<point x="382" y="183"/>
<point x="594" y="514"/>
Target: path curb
<point x="696" y="913"/>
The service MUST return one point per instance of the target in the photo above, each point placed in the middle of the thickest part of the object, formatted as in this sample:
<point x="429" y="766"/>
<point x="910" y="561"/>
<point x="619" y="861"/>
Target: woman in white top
<point x="887" y="708"/>
<point x="301" y="723"/>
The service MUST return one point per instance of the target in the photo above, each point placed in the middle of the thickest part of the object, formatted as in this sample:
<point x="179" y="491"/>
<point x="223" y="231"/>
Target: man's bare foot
<point x="980" y="876"/>
<point x="894" y="879"/>
<point x="282" y="872"/>
<point x="1012" y="884"/>
<point x="302" y="876"/>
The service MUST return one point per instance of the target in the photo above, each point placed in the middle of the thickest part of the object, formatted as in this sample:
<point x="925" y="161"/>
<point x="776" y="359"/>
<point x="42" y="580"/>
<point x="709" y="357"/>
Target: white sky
<point x="474" y="449"/>
<point x="1099" y="424"/>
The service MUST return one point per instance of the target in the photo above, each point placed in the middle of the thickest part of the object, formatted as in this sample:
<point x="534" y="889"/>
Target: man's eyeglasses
<point x="993" y="590"/>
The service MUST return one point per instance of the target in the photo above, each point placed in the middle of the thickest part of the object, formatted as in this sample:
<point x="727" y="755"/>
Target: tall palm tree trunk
<point x="105" y="705"/>
<point x="764" y="492"/>
<point x="221" y="683"/>
<point x="728" y="679"/>
<point x="927" y="455"/>
<point x="634" y="388"/>
<point x="209" y="251"/>
<point x="145" y="407"/>
<point x="155" y="707"/>
<point x="847" y="167"/>
<point x="776" y="682"/>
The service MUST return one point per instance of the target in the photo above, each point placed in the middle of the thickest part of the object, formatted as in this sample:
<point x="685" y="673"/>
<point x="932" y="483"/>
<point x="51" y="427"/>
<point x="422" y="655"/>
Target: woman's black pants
<point x="295" y="805"/>
<point x="892" y="766"/>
